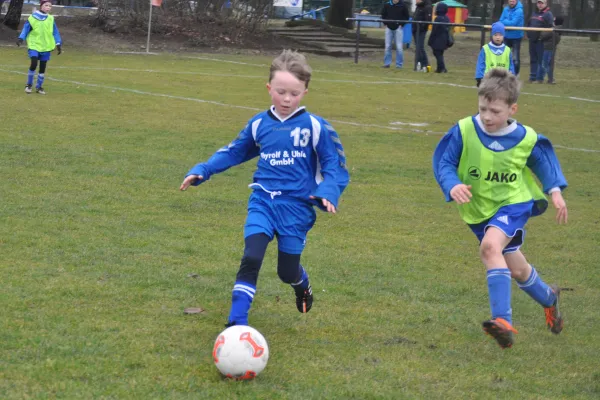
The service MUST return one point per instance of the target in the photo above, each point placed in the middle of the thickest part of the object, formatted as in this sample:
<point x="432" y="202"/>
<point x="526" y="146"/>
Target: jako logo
<point x="474" y="173"/>
<point x="504" y="177"/>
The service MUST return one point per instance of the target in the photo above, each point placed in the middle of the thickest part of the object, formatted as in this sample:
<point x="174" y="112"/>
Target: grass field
<point x="98" y="247"/>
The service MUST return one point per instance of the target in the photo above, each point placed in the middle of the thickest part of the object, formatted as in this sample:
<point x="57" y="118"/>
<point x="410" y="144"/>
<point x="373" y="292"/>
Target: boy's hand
<point x="330" y="207"/>
<point x="561" y="207"/>
<point x="461" y="193"/>
<point x="190" y="180"/>
<point x="59" y="48"/>
<point x="19" y="42"/>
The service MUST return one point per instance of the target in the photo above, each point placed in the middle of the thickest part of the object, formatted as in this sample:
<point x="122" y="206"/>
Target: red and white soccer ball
<point x="240" y="352"/>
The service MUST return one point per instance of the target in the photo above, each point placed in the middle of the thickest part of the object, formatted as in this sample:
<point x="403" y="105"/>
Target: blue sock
<point x="535" y="287"/>
<point x="30" y="75"/>
<point x="40" y="81"/>
<point x="303" y="283"/>
<point x="241" y="300"/>
<point x="499" y="282"/>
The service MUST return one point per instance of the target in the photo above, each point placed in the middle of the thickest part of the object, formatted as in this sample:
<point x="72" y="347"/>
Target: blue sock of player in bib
<point x="499" y="282"/>
<point x="535" y="287"/>
<point x="40" y="81"/>
<point x="30" y="75"/>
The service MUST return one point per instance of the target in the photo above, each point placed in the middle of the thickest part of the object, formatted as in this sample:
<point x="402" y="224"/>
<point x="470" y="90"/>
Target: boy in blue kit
<point x="301" y="164"/>
<point x="42" y="37"/>
<point x="495" y="54"/>
<point x="484" y="164"/>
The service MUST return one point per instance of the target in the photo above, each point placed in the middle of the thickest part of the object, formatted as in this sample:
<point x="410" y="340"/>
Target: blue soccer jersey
<point x="299" y="156"/>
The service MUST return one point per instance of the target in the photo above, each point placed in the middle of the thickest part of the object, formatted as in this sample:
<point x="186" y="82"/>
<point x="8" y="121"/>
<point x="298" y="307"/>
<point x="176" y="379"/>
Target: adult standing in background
<point x="422" y="13"/>
<point x="512" y="15"/>
<point x="542" y="18"/>
<point x="394" y="10"/>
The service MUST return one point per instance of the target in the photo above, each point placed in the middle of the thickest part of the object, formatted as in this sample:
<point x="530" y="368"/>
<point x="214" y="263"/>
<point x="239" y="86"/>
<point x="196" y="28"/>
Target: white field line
<point x="140" y="92"/>
<point x="157" y="71"/>
<point x="216" y="103"/>
<point x="403" y="80"/>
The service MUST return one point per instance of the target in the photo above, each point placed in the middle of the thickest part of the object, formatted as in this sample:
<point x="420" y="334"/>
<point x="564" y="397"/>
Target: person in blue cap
<point x="495" y="54"/>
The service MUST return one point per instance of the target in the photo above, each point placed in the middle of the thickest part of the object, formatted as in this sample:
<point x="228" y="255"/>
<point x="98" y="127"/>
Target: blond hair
<point x="292" y="62"/>
<point x="500" y="84"/>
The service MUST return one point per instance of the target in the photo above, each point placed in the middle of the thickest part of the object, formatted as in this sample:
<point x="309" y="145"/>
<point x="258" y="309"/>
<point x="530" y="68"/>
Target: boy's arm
<point x="330" y="159"/>
<point x="445" y="161"/>
<point x="480" y="69"/>
<point x="544" y="164"/>
<point x="56" y="35"/>
<point x="25" y="31"/>
<point x="242" y="149"/>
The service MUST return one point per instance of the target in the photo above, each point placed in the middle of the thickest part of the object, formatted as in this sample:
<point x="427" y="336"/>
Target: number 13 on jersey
<point x="301" y="136"/>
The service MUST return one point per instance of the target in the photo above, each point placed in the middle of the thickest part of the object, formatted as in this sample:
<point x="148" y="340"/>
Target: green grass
<point x="97" y="243"/>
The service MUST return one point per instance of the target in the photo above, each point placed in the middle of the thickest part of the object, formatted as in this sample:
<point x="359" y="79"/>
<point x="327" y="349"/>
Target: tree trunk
<point x="13" y="14"/>
<point x="529" y="11"/>
<point x="572" y="14"/>
<point x="498" y="5"/>
<point x="339" y="10"/>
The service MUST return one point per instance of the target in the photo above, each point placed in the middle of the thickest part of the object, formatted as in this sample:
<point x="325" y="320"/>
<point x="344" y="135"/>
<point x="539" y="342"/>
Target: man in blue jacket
<point x="512" y="15"/>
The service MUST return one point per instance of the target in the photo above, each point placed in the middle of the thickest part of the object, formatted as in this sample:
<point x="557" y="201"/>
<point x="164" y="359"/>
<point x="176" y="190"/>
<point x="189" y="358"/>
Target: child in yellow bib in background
<point x="485" y="164"/>
<point x="495" y="54"/>
<point x="42" y="37"/>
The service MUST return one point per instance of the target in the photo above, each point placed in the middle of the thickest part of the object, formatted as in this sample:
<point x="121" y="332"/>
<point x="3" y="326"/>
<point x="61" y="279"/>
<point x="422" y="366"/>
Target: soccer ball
<point x="240" y="352"/>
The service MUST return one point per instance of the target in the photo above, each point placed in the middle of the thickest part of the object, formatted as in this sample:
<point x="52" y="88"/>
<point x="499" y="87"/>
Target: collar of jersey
<point x="273" y="113"/>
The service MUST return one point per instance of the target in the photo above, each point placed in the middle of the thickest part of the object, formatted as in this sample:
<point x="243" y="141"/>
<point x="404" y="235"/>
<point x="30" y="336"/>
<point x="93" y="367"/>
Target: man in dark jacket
<point x="542" y="18"/>
<point x="419" y="31"/>
<point x="550" y="40"/>
<point x="394" y="10"/>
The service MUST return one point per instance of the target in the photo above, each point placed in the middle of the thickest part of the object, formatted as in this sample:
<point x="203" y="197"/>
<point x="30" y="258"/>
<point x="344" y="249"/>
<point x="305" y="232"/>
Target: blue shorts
<point x="287" y="218"/>
<point x="509" y="219"/>
<point x="42" y="56"/>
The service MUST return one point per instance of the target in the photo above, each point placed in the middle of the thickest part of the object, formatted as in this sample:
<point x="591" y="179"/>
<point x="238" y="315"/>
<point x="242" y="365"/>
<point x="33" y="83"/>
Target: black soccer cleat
<point x="304" y="300"/>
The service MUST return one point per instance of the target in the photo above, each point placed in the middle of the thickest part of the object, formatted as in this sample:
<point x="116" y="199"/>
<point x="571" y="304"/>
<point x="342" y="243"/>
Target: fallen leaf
<point x="193" y="310"/>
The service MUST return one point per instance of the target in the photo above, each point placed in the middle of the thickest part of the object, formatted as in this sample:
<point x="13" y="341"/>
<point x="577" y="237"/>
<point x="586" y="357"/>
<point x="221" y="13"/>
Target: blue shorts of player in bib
<point x="509" y="219"/>
<point x="286" y="217"/>
<point x="42" y="56"/>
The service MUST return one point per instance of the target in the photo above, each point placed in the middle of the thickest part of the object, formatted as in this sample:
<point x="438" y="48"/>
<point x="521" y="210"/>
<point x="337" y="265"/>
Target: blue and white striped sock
<point x="40" y="81"/>
<point x="241" y="300"/>
<point x="303" y="283"/>
<point x="30" y="75"/>
<point x="499" y="282"/>
<point x="535" y="287"/>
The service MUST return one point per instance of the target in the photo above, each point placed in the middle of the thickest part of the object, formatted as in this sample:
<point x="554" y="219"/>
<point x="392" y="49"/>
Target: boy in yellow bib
<point x="484" y="164"/>
<point x="42" y="37"/>
<point x="495" y="54"/>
